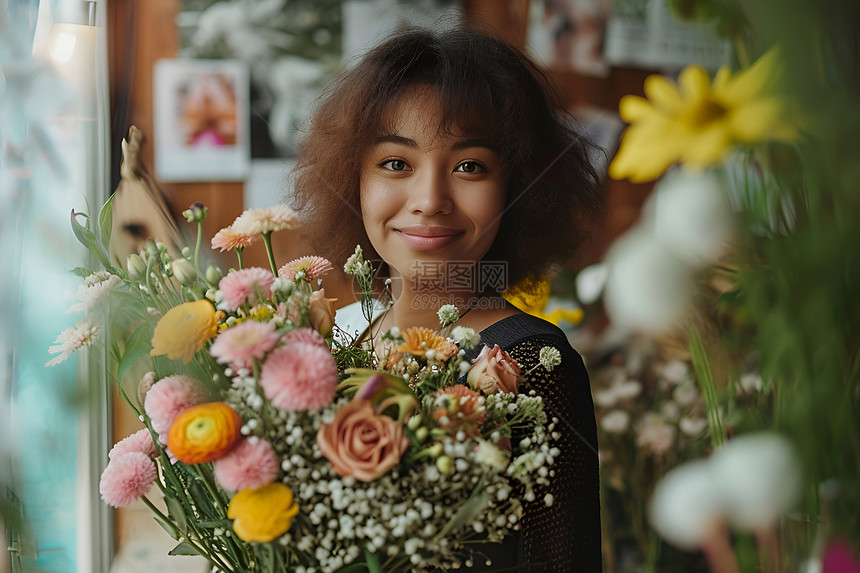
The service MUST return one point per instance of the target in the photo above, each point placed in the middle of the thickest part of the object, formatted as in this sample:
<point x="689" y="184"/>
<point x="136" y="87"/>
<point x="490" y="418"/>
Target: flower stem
<point x="267" y="240"/>
<point x="709" y="391"/>
<point x="197" y="247"/>
<point x="239" y="256"/>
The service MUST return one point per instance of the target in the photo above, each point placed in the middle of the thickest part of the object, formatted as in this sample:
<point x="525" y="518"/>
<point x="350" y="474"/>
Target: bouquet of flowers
<point x="278" y="447"/>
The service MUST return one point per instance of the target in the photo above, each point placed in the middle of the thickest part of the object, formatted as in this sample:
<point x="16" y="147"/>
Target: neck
<point x="417" y="305"/>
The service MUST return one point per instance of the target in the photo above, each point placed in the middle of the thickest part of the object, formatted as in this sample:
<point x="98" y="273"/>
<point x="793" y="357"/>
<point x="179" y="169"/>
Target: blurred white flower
<point x="294" y="83"/>
<point x="685" y="394"/>
<point x="686" y="505"/>
<point x="590" y="282"/>
<point x="615" y="422"/>
<point x="692" y="426"/>
<point x="654" y="433"/>
<point x="750" y="383"/>
<point x="627" y="389"/>
<point x="648" y="287"/>
<point x="674" y="371"/>
<point x="670" y="411"/>
<point x="691" y="215"/>
<point x="605" y="398"/>
<point x="759" y="477"/>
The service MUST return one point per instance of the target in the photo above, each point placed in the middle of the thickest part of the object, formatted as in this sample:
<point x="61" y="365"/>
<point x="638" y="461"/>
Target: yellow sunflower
<point x="696" y="121"/>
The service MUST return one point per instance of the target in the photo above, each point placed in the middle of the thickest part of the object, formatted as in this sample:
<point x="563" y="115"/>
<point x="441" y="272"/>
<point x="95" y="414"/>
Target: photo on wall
<point x="201" y="120"/>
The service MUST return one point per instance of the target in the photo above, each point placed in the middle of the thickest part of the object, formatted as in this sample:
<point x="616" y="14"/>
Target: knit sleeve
<point x="564" y="536"/>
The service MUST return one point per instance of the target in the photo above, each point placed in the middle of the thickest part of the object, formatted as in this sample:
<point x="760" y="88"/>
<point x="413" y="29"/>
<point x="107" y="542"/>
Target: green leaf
<point x="137" y="347"/>
<point x="88" y="240"/>
<point x="106" y="222"/>
<point x="267" y="557"/>
<point x="373" y="565"/>
<point x="177" y="513"/>
<point x="82" y="272"/>
<point x="473" y="506"/>
<point x="168" y="527"/>
<point x="183" y="549"/>
<point x="204" y="503"/>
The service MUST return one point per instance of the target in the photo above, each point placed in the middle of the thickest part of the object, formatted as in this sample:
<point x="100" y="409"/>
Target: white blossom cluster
<point x="404" y="515"/>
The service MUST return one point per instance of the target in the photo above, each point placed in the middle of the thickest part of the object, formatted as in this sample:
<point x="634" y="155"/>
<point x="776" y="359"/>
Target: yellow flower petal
<point x="753" y="81"/>
<point x="695" y="83"/>
<point x="184" y="329"/>
<point x="663" y="93"/>
<point x="709" y="146"/>
<point x="634" y="108"/>
<point x="757" y="121"/>
<point x="262" y="514"/>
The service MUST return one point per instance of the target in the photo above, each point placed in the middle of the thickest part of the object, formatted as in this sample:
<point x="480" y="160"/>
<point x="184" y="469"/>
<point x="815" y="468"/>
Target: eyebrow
<point x="459" y="145"/>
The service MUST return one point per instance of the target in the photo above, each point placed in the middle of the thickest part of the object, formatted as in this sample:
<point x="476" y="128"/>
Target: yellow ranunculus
<point x="204" y="432"/>
<point x="696" y="121"/>
<point x="184" y="329"/>
<point x="262" y="514"/>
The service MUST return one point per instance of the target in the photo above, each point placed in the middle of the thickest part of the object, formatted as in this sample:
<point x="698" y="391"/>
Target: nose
<point x="430" y="193"/>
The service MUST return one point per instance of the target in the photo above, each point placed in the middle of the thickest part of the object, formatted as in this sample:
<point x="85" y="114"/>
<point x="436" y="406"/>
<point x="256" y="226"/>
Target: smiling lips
<point x="427" y="237"/>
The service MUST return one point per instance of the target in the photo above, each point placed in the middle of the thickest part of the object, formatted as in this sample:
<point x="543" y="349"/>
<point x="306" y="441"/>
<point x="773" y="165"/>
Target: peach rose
<point x="321" y="312"/>
<point x="361" y="443"/>
<point x="494" y="371"/>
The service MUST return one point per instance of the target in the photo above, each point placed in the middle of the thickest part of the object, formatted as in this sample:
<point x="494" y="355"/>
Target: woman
<point x="448" y="157"/>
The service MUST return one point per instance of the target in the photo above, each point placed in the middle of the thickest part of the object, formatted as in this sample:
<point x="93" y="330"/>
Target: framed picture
<point x="201" y="115"/>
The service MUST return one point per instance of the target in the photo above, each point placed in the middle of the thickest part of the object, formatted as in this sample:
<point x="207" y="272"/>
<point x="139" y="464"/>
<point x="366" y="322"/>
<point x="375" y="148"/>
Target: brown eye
<point x="470" y="167"/>
<point x="395" y="165"/>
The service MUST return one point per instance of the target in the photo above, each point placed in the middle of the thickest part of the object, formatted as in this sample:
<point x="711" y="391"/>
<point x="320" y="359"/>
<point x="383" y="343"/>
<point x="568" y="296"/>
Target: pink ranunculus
<point x="127" y="478"/>
<point x="140" y="441"/>
<point x="251" y="285"/>
<point x="240" y="344"/>
<point x="840" y="558"/>
<point x="247" y="466"/>
<point x="361" y="443"/>
<point x="299" y="376"/>
<point x="306" y="335"/>
<point x="168" y="398"/>
<point x="493" y="371"/>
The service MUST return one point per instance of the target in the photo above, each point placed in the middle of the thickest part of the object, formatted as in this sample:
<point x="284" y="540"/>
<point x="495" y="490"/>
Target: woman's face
<point x="428" y="197"/>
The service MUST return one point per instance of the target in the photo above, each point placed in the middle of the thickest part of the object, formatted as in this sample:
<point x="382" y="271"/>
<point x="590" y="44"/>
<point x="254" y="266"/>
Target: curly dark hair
<point x="487" y="89"/>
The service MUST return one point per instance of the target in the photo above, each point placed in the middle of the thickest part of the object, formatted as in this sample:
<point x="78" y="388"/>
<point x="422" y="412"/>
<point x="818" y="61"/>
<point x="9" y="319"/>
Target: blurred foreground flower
<point x="698" y="121"/>
<point x="748" y="484"/>
<point x="686" y="224"/>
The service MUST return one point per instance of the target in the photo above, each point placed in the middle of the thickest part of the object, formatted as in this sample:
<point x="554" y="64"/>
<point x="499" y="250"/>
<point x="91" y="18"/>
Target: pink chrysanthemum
<point x="127" y="478"/>
<point x="251" y="285"/>
<point x="247" y="466"/>
<point x="240" y="344"/>
<point x="299" y="376"/>
<point x="227" y="239"/>
<point x="140" y="441"/>
<point x="306" y="335"/>
<point x="314" y="267"/>
<point x="168" y="398"/>
<point x="267" y="220"/>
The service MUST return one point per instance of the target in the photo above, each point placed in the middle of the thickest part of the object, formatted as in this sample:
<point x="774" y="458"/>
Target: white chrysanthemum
<point x="549" y="357"/>
<point x="448" y="314"/>
<point x="465" y="337"/>
<point x="267" y="220"/>
<point x="95" y="288"/>
<point x="75" y="337"/>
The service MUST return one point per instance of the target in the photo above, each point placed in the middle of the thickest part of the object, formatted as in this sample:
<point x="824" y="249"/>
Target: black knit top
<point x="566" y="535"/>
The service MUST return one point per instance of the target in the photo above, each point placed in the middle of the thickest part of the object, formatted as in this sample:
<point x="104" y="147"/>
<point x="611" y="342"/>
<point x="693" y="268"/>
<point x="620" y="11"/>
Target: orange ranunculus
<point x="464" y="412"/>
<point x="417" y="340"/>
<point x="204" y="432"/>
<point x="361" y="443"/>
<point x="184" y="329"/>
<point x="262" y="514"/>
